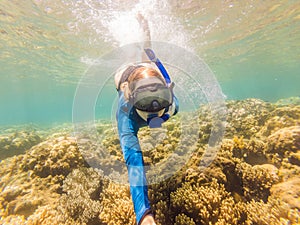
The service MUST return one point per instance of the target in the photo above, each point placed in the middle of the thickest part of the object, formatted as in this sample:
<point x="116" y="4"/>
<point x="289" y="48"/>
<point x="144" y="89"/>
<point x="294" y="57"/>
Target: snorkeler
<point x="145" y="99"/>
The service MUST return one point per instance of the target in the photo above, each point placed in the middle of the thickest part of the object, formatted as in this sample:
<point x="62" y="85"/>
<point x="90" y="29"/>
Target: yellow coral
<point x="117" y="205"/>
<point x="205" y="204"/>
<point x="238" y="142"/>
<point x="257" y="180"/>
<point x="183" y="219"/>
<point x="271" y="213"/>
<point x="80" y="201"/>
<point x="188" y="198"/>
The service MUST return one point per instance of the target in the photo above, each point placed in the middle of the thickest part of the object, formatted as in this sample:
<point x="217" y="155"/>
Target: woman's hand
<point x="146" y="34"/>
<point x="145" y="26"/>
<point x="148" y="220"/>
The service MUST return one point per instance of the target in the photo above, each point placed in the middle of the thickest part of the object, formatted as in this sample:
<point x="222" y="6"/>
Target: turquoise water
<point x="253" y="48"/>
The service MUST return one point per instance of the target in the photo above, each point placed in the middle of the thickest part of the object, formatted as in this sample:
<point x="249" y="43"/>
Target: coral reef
<point x="280" y="117"/>
<point x="274" y="212"/>
<point x="79" y="203"/>
<point x="183" y="219"/>
<point x="284" y="141"/>
<point x="246" y="117"/>
<point x="117" y="205"/>
<point x="17" y="142"/>
<point x="33" y="180"/>
<point x="256" y="181"/>
<point x="288" y="191"/>
<point x="23" y="192"/>
<point x="56" y="156"/>
<point x="254" y="178"/>
<point x="288" y="101"/>
<point x="204" y="204"/>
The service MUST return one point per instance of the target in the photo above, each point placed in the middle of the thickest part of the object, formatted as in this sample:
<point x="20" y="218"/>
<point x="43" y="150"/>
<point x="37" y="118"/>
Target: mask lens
<point x="153" y="101"/>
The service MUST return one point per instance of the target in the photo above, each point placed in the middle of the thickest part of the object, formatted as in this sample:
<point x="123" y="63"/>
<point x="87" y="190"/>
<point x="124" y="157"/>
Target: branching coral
<point x="16" y="220"/>
<point x="80" y="203"/>
<point x="271" y="213"/>
<point x="117" y="205"/>
<point x="112" y="144"/>
<point x="238" y="146"/>
<point x="212" y="204"/>
<point x="183" y="219"/>
<point x="205" y="204"/>
<point x="256" y="181"/>
<point x="162" y="213"/>
<point x="159" y="195"/>
<point x="45" y="215"/>
<point x="238" y="142"/>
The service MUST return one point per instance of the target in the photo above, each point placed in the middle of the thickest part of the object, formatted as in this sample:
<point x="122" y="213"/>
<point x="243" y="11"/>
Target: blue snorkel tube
<point x="154" y="59"/>
<point x="155" y="121"/>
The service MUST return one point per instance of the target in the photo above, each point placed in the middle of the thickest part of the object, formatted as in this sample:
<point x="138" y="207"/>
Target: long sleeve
<point x="128" y="127"/>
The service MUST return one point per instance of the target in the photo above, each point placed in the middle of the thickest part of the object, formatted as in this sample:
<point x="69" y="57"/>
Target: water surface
<point x="252" y="47"/>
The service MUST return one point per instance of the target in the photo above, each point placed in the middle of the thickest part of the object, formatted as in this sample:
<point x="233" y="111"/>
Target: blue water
<point x="35" y="100"/>
<point x="46" y="47"/>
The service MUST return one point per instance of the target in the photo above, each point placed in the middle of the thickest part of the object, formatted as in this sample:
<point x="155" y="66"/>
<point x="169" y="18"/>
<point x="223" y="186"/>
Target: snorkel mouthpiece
<point x="155" y="122"/>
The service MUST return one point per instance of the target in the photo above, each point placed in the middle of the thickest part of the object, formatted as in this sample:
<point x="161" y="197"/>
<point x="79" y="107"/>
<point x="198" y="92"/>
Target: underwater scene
<point x="231" y="155"/>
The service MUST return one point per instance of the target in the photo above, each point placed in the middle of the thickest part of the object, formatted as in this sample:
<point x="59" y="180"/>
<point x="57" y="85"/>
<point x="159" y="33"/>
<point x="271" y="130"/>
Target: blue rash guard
<point x="129" y="123"/>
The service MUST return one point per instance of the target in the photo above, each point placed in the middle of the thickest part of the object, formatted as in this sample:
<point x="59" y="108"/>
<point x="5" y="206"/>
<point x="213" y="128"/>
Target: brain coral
<point x="284" y="140"/>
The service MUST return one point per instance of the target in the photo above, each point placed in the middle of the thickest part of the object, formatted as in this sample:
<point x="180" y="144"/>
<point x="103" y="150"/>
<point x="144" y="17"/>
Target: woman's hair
<point x="144" y="72"/>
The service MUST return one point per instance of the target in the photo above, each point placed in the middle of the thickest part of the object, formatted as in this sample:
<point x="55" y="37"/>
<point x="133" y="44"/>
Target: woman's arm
<point x="127" y="129"/>
<point x="146" y="44"/>
<point x="146" y="35"/>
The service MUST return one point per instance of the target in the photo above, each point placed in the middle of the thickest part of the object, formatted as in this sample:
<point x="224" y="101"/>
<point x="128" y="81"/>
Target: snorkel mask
<point x="151" y="95"/>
